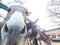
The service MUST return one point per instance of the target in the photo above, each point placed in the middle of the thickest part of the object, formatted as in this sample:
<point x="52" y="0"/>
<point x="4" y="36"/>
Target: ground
<point x="53" y="43"/>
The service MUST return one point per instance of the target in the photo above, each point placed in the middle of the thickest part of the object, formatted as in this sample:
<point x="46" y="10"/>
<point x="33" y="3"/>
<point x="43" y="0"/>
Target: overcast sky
<point x="39" y="10"/>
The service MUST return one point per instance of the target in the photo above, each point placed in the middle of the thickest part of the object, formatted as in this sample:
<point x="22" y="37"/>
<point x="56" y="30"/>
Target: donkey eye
<point x="6" y="28"/>
<point x="23" y="30"/>
<point x="26" y="12"/>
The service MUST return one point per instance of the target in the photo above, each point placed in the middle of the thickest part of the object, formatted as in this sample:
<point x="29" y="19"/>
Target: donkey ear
<point x="36" y="20"/>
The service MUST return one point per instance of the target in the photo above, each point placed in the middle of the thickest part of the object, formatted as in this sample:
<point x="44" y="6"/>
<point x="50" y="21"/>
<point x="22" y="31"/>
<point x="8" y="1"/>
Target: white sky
<point x="39" y="10"/>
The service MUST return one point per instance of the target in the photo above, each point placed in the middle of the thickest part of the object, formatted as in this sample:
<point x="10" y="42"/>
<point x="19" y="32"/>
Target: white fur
<point x="30" y="31"/>
<point x="38" y="36"/>
<point x="16" y="19"/>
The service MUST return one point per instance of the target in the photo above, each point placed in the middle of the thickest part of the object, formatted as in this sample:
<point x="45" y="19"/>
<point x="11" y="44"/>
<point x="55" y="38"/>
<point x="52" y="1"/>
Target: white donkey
<point x="14" y="29"/>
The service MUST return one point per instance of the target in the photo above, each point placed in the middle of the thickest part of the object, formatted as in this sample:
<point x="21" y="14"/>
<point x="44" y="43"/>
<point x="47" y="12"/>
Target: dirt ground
<point x="42" y="43"/>
<point x="53" y="43"/>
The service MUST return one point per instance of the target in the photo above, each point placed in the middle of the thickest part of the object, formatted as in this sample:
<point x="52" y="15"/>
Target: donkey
<point x="14" y="27"/>
<point x="34" y="32"/>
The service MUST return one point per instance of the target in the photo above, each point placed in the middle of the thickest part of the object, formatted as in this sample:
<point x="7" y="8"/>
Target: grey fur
<point x="11" y="30"/>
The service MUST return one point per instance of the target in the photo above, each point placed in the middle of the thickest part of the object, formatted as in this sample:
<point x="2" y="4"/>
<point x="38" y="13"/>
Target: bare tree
<point x="54" y="11"/>
<point x="17" y="1"/>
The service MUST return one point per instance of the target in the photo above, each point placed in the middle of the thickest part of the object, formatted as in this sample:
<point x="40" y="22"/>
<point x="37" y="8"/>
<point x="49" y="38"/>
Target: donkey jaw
<point x="15" y="42"/>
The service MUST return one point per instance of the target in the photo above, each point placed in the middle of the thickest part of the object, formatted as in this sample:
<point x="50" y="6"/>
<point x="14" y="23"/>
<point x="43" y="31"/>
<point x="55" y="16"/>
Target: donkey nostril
<point x="6" y="28"/>
<point x="23" y="30"/>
